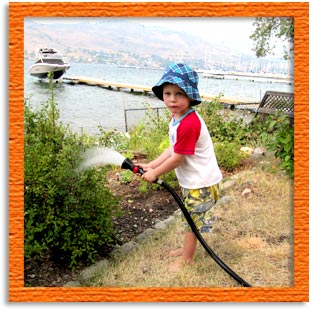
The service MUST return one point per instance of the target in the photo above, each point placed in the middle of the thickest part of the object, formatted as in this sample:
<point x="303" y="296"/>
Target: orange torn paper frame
<point x="299" y="292"/>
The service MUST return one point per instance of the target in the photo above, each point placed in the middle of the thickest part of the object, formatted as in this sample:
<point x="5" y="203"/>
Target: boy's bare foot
<point x="175" y="252"/>
<point x="176" y="265"/>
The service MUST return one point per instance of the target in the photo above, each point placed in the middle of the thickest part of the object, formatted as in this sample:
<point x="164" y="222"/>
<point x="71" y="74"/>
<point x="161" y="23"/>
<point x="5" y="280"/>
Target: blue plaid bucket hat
<point x="183" y="76"/>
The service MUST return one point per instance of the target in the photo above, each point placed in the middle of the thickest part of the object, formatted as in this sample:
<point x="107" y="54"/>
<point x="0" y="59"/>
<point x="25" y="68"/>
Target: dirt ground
<point x="141" y="211"/>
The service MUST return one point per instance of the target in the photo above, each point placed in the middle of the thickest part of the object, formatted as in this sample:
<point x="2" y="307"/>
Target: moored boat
<point x="49" y="60"/>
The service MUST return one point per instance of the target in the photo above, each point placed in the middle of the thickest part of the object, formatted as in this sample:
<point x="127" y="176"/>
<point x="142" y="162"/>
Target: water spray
<point x="107" y="156"/>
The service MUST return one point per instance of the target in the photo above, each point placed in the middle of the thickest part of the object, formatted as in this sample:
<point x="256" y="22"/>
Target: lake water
<point x="87" y="107"/>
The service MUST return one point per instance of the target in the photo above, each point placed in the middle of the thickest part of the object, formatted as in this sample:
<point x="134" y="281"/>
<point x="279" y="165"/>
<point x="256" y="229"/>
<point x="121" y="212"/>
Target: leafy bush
<point x="224" y="125"/>
<point x="67" y="214"/>
<point x="112" y="139"/>
<point x="228" y="155"/>
<point x="151" y="134"/>
<point x="279" y="138"/>
<point x="151" y="137"/>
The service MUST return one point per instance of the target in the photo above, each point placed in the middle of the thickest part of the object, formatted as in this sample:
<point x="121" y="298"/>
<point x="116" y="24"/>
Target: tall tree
<point x="270" y="30"/>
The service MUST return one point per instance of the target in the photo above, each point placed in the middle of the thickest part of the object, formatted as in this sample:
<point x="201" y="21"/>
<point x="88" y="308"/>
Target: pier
<point x="144" y="89"/>
<point x="252" y="77"/>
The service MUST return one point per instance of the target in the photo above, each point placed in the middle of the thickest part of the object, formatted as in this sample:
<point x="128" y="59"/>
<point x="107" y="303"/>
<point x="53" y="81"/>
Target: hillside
<point x="122" y="37"/>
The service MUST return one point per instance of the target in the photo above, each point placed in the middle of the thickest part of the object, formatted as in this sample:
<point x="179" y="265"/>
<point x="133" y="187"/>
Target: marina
<point x="248" y="76"/>
<point x="120" y="93"/>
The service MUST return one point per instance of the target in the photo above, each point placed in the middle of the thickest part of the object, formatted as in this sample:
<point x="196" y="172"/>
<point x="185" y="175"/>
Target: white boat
<point x="47" y="61"/>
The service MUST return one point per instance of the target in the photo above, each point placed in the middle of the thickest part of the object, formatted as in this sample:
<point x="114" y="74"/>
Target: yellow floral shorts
<point x="200" y="205"/>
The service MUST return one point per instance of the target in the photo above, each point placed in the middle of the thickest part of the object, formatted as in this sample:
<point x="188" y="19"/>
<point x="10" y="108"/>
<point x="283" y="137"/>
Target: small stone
<point x="160" y="225"/>
<point x="169" y="219"/>
<point x="144" y="235"/>
<point x="260" y="151"/>
<point x="90" y="272"/>
<point x="224" y="200"/>
<point x="72" y="284"/>
<point x="125" y="248"/>
<point x="227" y="184"/>
<point x="246" y="192"/>
<point x="247" y="150"/>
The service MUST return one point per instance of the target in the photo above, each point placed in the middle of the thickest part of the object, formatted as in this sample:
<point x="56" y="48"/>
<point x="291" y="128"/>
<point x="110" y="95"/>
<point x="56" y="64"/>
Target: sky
<point x="231" y="32"/>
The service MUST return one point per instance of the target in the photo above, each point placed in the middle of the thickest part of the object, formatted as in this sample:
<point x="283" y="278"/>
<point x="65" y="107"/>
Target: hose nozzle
<point x="129" y="165"/>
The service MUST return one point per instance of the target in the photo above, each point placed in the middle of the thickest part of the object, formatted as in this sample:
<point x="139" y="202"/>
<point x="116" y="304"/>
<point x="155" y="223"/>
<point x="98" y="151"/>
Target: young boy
<point x="191" y="155"/>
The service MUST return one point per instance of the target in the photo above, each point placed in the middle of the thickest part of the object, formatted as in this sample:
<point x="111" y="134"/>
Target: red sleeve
<point x="188" y="133"/>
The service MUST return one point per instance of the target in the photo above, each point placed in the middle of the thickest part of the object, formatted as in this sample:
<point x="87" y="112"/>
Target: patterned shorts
<point x="200" y="205"/>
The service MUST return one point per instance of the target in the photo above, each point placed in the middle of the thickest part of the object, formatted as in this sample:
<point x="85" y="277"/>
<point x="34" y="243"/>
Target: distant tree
<point x="271" y="29"/>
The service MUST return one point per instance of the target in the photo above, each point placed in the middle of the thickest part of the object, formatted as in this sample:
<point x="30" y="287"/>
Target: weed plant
<point x="279" y="138"/>
<point x="150" y="136"/>
<point x="67" y="215"/>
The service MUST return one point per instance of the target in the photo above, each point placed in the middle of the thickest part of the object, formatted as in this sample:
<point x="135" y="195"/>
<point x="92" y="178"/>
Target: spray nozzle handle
<point x="138" y="170"/>
<point x="129" y="165"/>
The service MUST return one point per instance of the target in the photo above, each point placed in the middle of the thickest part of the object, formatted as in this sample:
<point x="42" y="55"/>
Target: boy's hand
<point x="150" y="175"/>
<point x="144" y="166"/>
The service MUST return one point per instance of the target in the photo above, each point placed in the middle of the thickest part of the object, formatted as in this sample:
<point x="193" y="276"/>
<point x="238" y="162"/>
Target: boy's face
<point x="176" y="100"/>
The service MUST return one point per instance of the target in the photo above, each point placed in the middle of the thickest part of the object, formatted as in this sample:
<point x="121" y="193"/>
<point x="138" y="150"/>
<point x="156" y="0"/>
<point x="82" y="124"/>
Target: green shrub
<point x="112" y="139"/>
<point x="224" y="125"/>
<point x="228" y="155"/>
<point x="126" y="177"/>
<point x="279" y="138"/>
<point x="67" y="215"/>
<point x="151" y="134"/>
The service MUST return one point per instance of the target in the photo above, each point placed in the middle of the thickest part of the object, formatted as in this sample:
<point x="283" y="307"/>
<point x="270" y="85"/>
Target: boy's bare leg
<point x="190" y="242"/>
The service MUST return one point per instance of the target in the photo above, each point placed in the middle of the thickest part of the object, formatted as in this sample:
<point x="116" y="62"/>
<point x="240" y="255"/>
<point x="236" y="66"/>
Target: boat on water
<point x="49" y="60"/>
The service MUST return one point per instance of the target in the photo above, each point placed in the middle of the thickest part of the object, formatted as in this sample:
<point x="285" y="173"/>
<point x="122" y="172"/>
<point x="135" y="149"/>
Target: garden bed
<point x="140" y="211"/>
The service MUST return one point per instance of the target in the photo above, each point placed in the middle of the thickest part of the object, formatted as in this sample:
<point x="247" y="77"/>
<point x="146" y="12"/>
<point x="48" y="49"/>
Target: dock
<point x="263" y="78"/>
<point x="144" y="89"/>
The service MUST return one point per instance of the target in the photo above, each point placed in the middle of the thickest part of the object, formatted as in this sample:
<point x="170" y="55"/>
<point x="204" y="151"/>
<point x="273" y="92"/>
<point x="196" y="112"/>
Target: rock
<point x="246" y="192"/>
<point x="169" y="220"/>
<point x="144" y="235"/>
<point x="226" y="185"/>
<point x="72" y="284"/>
<point x="247" y="150"/>
<point x="224" y="200"/>
<point x="90" y="272"/>
<point x="255" y="156"/>
<point x="260" y="151"/>
<point x="160" y="225"/>
<point x="126" y="247"/>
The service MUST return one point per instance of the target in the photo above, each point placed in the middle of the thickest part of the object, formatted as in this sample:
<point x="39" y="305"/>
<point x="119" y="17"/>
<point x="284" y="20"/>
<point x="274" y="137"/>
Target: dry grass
<point x="253" y="236"/>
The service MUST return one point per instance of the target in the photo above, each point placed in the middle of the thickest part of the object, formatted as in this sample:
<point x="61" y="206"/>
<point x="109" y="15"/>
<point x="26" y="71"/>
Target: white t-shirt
<point x="189" y="136"/>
